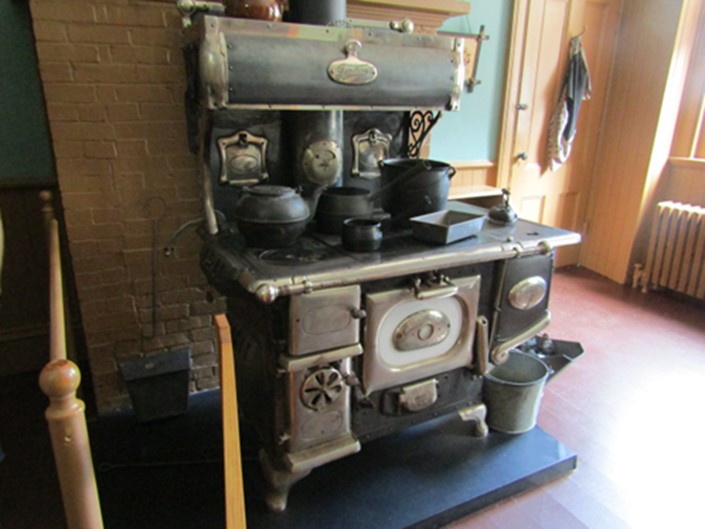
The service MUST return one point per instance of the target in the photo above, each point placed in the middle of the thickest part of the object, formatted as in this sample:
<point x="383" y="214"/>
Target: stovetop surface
<point x="319" y="258"/>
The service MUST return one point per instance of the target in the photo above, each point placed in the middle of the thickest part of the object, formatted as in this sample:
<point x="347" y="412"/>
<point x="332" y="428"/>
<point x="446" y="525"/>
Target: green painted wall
<point x="472" y="132"/>
<point x="25" y="149"/>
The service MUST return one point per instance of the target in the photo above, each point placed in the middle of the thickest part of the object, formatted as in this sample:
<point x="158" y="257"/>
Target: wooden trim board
<point x="234" y="487"/>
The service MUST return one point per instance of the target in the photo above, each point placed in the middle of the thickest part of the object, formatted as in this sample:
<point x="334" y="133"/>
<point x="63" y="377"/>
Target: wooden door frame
<point x="513" y="77"/>
<point x="512" y="86"/>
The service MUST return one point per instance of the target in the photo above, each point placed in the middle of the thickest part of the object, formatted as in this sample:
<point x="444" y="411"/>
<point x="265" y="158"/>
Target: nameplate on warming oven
<point x="352" y="70"/>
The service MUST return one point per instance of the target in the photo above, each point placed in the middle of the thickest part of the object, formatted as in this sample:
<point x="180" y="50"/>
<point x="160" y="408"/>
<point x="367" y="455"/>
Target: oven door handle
<point x="443" y="289"/>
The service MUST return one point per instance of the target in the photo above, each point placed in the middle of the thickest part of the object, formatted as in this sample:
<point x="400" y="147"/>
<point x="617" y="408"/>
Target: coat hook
<point x="582" y="32"/>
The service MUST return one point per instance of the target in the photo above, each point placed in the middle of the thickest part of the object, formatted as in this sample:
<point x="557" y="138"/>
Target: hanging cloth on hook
<point x="576" y="88"/>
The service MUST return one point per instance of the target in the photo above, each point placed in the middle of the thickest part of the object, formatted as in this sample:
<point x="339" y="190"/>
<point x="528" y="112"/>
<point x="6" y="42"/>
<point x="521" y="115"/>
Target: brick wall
<point x="113" y="81"/>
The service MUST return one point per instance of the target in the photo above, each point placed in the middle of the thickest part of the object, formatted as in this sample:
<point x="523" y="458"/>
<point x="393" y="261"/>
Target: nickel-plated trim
<point x="317" y="456"/>
<point x="231" y="47"/>
<point x="537" y="288"/>
<point x="405" y="25"/>
<point x="247" y="146"/>
<point x="458" y="74"/>
<point x="500" y="353"/>
<point x="419" y="396"/>
<point x="482" y="345"/>
<point x="352" y="70"/>
<point x="337" y="106"/>
<point x="214" y="64"/>
<point x="370" y="148"/>
<point x="290" y="364"/>
<point x="292" y="285"/>
<point x="476" y="414"/>
<point x="324" y="320"/>
<point x="385" y="365"/>
<point x="421" y="329"/>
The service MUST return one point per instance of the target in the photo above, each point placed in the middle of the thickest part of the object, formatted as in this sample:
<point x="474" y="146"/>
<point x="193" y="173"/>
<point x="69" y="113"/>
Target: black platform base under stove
<point x="168" y="474"/>
<point x="427" y="476"/>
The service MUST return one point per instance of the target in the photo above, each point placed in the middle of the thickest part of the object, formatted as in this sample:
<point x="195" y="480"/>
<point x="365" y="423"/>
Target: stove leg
<point x="476" y="414"/>
<point x="279" y="483"/>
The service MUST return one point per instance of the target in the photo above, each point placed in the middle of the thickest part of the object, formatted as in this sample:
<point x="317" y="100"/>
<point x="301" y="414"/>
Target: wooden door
<point x="537" y="64"/>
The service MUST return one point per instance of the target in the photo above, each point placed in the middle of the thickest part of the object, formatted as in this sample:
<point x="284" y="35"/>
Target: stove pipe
<point x="320" y="12"/>
<point x="317" y="134"/>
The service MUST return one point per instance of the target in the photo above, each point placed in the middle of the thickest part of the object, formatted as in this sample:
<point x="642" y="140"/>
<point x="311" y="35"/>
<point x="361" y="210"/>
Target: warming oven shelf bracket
<point x="420" y="125"/>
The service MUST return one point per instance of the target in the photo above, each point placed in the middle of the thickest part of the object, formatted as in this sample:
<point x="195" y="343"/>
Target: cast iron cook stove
<point x="337" y="348"/>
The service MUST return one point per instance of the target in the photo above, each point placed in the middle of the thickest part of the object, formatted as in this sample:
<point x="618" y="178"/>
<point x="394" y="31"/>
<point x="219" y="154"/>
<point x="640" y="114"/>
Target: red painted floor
<point x="631" y="407"/>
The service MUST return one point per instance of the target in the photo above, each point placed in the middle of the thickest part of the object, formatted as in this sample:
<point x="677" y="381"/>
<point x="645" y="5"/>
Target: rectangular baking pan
<point x="447" y="226"/>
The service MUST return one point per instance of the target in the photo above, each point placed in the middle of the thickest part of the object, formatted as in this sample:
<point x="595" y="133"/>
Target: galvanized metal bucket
<point x="512" y="393"/>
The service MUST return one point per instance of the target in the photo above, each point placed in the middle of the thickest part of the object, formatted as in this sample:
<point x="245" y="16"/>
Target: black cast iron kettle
<point x="271" y="216"/>
<point x="503" y="213"/>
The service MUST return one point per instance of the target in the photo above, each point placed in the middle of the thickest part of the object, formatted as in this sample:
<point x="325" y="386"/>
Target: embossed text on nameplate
<point x="352" y="70"/>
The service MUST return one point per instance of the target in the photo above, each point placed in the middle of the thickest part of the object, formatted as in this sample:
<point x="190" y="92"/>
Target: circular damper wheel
<point x="321" y="388"/>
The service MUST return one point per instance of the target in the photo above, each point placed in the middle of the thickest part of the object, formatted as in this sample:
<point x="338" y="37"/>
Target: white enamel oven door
<point x="408" y="339"/>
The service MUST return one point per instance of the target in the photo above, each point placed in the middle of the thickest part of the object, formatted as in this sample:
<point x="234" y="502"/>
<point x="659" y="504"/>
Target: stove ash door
<point x="410" y="334"/>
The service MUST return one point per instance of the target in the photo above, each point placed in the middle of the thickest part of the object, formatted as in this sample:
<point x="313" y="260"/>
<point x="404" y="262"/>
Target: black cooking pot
<point x="414" y="186"/>
<point x="270" y="216"/>
<point x="339" y="203"/>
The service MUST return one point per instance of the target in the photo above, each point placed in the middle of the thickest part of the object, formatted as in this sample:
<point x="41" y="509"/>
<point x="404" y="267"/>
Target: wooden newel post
<point x="69" y="438"/>
<point x="66" y="416"/>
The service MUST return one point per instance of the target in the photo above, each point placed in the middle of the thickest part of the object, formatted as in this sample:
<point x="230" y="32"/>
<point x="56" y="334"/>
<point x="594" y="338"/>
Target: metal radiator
<point x="676" y="256"/>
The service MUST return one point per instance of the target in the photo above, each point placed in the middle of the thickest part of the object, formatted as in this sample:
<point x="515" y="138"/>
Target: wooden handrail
<point x="65" y="415"/>
<point x="56" y="289"/>
<point x="234" y="487"/>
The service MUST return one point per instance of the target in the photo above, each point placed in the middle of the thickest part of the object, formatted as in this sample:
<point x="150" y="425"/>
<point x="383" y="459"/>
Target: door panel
<point x="531" y="207"/>
<point x="543" y="57"/>
<point x="548" y="68"/>
<point x="557" y="198"/>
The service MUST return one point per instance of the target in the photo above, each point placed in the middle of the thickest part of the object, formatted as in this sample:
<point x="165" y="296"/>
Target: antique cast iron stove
<point x="335" y="348"/>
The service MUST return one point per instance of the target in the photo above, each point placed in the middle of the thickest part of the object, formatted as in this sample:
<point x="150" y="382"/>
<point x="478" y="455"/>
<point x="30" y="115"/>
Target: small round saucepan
<point x="362" y="234"/>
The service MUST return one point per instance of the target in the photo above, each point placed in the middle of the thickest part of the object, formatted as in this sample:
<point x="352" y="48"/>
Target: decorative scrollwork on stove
<point x="419" y="126"/>
<point x="321" y="388"/>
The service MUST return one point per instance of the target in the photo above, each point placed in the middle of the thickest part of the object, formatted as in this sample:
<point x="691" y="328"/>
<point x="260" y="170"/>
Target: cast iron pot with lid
<point x="407" y="195"/>
<point x="339" y="203"/>
<point x="271" y="216"/>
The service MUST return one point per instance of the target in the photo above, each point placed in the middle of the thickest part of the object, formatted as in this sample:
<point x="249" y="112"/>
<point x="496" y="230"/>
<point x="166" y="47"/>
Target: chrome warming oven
<point x="335" y="347"/>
